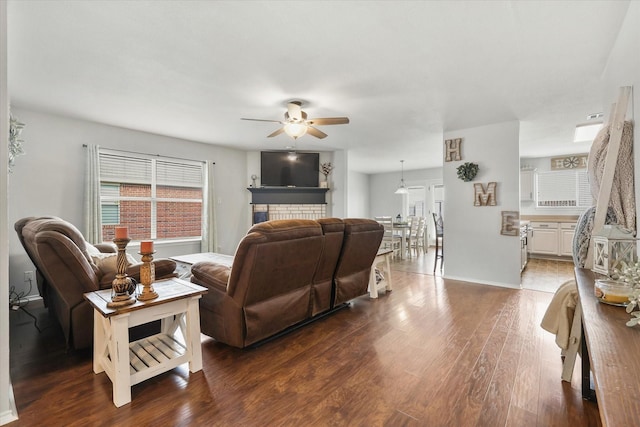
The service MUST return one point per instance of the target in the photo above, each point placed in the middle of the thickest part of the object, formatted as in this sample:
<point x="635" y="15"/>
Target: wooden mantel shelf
<point x="287" y="195"/>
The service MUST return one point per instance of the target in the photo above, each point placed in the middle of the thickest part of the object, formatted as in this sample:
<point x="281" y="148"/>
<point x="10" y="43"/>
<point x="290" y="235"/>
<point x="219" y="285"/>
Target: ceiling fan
<point x="296" y="123"/>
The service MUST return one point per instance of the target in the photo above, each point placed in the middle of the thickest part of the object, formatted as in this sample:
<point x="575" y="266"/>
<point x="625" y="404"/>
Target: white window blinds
<point x="561" y="189"/>
<point x="124" y="168"/>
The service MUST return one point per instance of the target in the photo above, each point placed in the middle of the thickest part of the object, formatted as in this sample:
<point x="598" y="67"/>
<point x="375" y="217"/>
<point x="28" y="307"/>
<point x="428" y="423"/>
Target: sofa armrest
<point x="164" y="268"/>
<point x="211" y="275"/>
<point x="106" y="248"/>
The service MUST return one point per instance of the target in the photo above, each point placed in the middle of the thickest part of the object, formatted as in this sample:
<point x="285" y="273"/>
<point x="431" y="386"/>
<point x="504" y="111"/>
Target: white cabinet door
<point x="566" y="238"/>
<point x="545" y="241"/>
<point x="526" y="185"/>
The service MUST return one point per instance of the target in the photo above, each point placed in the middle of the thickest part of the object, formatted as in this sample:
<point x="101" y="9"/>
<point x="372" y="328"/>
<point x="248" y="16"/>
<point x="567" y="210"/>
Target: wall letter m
<point x="482" y="197"/>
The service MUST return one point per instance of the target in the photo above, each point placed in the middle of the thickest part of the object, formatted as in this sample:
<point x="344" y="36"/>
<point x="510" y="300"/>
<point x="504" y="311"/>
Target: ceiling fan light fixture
<point x="295" y="130"/>
<point x="401" y="188"/>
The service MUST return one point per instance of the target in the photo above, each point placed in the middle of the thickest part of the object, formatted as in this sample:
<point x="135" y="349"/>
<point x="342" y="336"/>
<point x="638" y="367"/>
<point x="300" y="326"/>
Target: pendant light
<point x="401" y="188"/>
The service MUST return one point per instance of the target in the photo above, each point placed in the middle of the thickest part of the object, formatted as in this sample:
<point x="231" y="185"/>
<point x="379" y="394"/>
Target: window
<point x="110" y="206"/>
<point x="156" y="197"/>
<point x="563" y="189"/>
<point x="416" y="201"/>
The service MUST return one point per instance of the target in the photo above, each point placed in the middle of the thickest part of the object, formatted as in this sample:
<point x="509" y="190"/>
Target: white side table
<point x="178" y="342"/>
<point x="382" y="257"/>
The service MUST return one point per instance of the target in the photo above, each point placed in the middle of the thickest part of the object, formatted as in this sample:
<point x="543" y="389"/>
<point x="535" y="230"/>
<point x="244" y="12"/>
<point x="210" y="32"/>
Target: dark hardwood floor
<point x="429" y="353"/>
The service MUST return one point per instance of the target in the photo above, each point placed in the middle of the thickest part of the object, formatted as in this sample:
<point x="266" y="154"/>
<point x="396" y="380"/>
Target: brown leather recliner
<point x="284" y="273"/>
<point x="65" y="271"/>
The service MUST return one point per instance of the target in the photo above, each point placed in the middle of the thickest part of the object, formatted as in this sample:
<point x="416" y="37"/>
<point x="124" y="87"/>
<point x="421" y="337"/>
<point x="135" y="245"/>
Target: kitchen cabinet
<point x="567" y="231"/>
<point x="526" y="185"/>
<point x="552" y="238"/>
<point x="545" y="238"/>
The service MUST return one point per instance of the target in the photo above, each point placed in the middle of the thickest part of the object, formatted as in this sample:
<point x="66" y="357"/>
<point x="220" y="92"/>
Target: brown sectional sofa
<point x="284" y="273"/>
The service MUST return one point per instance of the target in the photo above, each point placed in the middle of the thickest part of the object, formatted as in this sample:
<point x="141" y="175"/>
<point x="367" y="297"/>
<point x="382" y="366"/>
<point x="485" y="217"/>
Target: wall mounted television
<point x="281" y="169"/>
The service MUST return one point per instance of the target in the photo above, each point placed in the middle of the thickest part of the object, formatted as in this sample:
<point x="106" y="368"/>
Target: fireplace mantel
<point x="288" y="195"/>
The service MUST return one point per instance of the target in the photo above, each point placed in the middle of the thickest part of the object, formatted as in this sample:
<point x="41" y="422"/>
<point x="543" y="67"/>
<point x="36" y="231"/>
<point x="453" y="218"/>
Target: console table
<point x="127" y="364"/>
<point x="611" y="351"/>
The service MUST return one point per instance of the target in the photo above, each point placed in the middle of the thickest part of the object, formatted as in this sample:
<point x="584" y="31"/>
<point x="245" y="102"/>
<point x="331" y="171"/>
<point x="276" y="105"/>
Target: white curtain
<point x="209" y="231"/>
<point x="92" y="208"/>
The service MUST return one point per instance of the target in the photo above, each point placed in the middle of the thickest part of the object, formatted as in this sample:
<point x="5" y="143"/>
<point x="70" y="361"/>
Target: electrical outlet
<point x="28" y="276"/>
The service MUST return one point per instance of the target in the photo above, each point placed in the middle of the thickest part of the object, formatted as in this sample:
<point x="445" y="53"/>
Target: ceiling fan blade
<point x="276" y="133"/>
<point x="295" y="111"/>
<point x="316" y="132"/>
<point x="329" y="121"/>
<point x="262" y="120"/>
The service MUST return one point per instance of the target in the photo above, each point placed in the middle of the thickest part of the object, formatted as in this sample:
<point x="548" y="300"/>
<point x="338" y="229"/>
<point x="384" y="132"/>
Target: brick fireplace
<point x="271" y="203"/>
<point x="280" y="211"/>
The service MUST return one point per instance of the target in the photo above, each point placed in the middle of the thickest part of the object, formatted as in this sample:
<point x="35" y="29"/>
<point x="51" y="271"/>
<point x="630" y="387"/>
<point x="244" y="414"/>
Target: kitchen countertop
<point x="549" y="218"/>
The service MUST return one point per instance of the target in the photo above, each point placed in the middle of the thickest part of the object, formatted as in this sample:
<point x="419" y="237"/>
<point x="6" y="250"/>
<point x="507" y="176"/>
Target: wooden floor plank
<point x="430" y="352"/>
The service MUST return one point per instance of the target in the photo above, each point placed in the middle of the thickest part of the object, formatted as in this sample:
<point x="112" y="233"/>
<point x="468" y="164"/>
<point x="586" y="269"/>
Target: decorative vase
<point x="324" y="184"/>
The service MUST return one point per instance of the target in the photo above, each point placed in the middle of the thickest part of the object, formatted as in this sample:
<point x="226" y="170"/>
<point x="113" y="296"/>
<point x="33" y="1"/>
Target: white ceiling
<point x="402" y="71"/>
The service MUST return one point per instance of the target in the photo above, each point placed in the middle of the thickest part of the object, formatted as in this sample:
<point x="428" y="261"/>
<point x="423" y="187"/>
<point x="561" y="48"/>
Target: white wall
<point x="474" y="249"/>
<point x="543" y="164"/>
<point x="623" y="69"/>
<point x="7" y="406"/>
<point x="382" y="186"/>
<point x="358" y="189"/>
<point x="337" y="197"/>
<point x="49" y="179"/>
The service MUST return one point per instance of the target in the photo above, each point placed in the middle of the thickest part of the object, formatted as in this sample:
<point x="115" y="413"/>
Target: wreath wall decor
<point x="15" y="142"/>
<point x="467" y="171"/>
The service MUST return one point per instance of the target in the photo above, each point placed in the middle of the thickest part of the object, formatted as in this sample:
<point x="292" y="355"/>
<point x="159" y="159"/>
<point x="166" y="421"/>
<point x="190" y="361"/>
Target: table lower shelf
<point x="151" y="356"/>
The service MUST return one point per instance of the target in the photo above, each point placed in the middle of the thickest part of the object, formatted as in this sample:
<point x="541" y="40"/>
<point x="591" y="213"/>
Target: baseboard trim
<point x="11" y="414"/>
<point x="562" y="258"/>
<point x="484" y="282"/>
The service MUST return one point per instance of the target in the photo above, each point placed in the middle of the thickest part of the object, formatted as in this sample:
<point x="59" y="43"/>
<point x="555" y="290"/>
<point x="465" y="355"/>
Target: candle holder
<point x="147" y="277"/>
<point x="122" y="286"/>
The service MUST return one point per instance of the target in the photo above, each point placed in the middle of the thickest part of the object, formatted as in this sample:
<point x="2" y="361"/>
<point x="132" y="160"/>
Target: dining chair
<point x="414" y="223"/>
<point x="390" y="239"/>
<point x="439" y="225"/>
<point x="418" y="241"/>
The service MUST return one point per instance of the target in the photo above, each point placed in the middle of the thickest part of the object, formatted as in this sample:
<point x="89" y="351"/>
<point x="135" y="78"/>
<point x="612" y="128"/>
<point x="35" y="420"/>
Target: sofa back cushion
<point x="272" y="273"/>
<point x="59" y="252"/>
<point x="362" y="239"/>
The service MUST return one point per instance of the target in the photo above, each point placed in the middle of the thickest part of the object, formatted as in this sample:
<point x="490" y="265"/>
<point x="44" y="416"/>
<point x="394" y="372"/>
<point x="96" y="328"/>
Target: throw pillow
<point x="108" y="263"/>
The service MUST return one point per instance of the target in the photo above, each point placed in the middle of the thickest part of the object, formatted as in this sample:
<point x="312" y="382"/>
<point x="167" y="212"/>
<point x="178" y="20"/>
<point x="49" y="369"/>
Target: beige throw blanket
<point x="622" y="199"/>
<point x="559" y="315"/>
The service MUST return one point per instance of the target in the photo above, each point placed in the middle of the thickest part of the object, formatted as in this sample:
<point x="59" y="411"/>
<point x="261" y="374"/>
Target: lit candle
<point x="146" y="247"/>
<point x="122" y="233"/>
